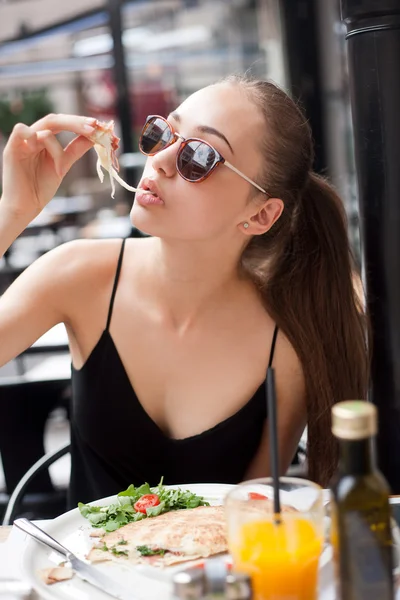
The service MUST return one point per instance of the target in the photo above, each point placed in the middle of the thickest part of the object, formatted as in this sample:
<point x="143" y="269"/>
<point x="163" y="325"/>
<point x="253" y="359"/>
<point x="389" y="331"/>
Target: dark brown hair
<point x="304" y="269"/>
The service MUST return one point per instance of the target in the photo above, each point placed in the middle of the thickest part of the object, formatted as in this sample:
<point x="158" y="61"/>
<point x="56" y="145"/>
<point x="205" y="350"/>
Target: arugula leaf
<point x="97" y="519"/>
<point x="131" y="491"/>
<point x="111" y="525"/>
<point x="125" y="501"/>
<point x="143" y="490"/>
<point x="146" y="551"/>
<point x="154" y="511"/>
<point x="122" y="511"/>
<point x="117" y="552"/>
<point x="86" y="510"/>
<point x="122" y="542"/>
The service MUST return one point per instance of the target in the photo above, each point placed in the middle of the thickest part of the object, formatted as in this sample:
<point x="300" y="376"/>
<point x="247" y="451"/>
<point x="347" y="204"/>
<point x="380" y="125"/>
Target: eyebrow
<point x="205" y="129"/>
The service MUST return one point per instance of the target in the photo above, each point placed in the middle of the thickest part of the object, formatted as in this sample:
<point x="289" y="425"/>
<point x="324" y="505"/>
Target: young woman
<point x="248" y="264"/>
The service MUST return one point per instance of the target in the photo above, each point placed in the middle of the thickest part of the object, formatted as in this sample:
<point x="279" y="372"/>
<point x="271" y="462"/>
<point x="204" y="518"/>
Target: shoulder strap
<point x="271" y="355"/>
<point x="114" y="290"/>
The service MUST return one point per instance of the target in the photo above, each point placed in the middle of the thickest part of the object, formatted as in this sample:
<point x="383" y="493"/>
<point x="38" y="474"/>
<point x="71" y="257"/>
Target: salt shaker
<point x="214" y="583"/>
<point x="188" y="585"/>
<point x="238" y="587"/>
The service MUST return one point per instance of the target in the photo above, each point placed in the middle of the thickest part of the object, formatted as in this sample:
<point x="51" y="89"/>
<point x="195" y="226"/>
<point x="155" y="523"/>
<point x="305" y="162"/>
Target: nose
<point x="165" y="161"/>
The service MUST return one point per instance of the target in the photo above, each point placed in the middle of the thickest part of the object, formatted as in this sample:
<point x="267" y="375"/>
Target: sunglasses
<point x="195" y="160"/>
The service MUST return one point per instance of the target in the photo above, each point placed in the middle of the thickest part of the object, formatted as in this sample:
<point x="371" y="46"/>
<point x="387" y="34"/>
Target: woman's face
<point x="218" y="205"/>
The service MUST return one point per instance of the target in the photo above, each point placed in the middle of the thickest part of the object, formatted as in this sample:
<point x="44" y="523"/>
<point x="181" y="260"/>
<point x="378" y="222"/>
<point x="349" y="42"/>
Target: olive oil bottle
<point x="361" y="531"/>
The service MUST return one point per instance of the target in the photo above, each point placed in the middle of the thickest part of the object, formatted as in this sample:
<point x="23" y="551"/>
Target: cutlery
<point x="83" y="570"/>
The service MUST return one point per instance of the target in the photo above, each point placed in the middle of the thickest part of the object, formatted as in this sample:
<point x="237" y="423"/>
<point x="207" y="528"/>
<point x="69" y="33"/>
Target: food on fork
<point x="171" y="538"/>
<point x="106" y="143"/>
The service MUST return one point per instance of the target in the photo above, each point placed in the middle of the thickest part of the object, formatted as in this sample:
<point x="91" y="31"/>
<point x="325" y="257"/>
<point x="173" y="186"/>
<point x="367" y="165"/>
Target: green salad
<point x="139" y="503"/>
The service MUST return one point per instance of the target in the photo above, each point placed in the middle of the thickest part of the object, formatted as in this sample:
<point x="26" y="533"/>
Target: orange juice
<point x="282" y="559"/>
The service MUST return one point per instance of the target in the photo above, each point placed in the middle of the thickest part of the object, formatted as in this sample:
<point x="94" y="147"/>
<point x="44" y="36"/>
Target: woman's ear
<point x="262" y="221"/>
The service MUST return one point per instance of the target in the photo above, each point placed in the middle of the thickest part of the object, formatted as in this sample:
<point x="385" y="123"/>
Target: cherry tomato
<point x="255" y="496"/>
<point x="146" y="501"/>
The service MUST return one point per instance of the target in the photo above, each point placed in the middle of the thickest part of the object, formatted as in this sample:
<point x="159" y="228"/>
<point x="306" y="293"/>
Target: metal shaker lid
<point x="188" y="585"/>
<point x="238" y="587"/>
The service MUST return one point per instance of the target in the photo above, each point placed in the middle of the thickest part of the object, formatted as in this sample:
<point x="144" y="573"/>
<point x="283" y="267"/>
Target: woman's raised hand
<point x="35" y="163"/>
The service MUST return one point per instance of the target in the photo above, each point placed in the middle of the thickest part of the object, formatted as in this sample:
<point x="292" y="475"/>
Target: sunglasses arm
<point x="228" y="164"/>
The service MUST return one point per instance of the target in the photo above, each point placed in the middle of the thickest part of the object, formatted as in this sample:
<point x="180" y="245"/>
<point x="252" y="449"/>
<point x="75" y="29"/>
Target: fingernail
<point x="91" y="120"/>
<point x="88" y="129"/>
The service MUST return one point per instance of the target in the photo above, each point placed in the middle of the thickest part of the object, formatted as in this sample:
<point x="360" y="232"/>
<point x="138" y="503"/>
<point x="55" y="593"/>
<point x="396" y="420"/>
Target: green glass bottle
<point x="361" y="531"/>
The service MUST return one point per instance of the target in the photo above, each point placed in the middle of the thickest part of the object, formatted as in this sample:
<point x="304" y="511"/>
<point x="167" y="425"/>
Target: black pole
<point x="124" y="109"/>
<point x="373" y="40"/>
<point x="299" y="19"/>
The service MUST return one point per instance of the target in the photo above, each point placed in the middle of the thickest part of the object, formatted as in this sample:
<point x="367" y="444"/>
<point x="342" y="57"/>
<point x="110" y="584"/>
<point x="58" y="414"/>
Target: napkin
<point x="10" y="567"/>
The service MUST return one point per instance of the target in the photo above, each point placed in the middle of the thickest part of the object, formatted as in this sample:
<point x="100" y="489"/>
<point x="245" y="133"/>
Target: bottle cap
<point x="238" y="587"/>
<point x="354" y="420"/>
<point x="188" y="585"/>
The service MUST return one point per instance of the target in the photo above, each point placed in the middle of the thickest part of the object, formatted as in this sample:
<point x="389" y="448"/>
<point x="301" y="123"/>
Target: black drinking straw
<point x="273" y="440"/>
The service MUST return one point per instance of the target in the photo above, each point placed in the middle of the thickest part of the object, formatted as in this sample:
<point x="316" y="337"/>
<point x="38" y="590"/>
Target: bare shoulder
<point x="82" y="262"/>
<point x="73" y="274"/>
<point x="92" y="258"/>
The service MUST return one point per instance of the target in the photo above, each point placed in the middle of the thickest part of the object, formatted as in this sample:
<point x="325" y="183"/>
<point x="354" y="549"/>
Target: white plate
<point x="72" y="530"/>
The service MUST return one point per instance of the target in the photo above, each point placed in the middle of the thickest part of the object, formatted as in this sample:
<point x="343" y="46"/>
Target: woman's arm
<point x="291" y="411"/>
<point x="42" y="296"/>
<point x="34" y="164"/>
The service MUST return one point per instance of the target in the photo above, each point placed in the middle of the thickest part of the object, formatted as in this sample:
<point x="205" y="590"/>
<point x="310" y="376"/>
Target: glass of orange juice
<point x="281" y="557"/>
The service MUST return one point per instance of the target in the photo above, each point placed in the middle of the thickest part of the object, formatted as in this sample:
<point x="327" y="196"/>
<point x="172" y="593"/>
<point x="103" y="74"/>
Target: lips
<point x="148" y="194"/>
<point x="151" y="186"/>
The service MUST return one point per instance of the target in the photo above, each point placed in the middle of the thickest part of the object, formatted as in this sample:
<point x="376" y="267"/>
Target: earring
<point x="245" y="225"/>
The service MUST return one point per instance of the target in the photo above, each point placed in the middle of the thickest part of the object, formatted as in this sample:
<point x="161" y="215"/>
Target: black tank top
<point x="114" y="442"/>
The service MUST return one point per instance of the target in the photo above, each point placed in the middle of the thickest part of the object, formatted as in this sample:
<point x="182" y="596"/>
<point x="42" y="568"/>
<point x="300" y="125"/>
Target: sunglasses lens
<point x="155" y="136"/>
<point x="195" y="160"/>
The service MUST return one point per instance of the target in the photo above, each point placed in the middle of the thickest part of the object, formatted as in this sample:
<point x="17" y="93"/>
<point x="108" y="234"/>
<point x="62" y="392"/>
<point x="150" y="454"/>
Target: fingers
<point x="22" y="134"/>
<point x="47" y="140"/>
<point x="74" y="151"/>
<point x="27" y="136"/>
<point x="56" y="123"/>
<point x="63" y="159"/>
<point x="28" y="141"/>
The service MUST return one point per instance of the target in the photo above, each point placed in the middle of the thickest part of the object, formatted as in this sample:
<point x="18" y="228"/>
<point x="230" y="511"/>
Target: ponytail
<point x="312" y="296"/>
<point x="307" y="286"/>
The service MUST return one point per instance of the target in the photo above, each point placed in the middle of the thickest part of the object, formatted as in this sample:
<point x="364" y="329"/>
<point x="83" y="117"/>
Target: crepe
<point x="185" y="535"/>
<point x="106" y="143"/>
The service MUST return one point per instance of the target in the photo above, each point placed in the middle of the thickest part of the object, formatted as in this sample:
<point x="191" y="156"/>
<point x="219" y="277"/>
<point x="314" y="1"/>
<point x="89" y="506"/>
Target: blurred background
<point x="119" y="60"/>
